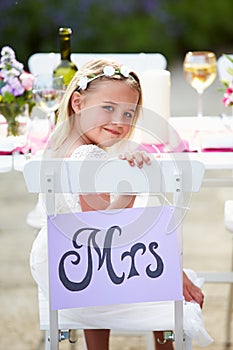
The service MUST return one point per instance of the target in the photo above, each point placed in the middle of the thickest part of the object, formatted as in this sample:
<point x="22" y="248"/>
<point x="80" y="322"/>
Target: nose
<point x="117" y="118"/>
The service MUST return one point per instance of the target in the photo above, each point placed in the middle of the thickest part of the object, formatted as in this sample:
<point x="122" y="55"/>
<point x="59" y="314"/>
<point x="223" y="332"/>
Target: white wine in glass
<point x="200" y="72"/>
<point x="48" y="92"/>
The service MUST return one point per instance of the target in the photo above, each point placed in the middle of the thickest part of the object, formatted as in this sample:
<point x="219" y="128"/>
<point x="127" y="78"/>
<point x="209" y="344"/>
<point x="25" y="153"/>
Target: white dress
<point x="131" y="317"/>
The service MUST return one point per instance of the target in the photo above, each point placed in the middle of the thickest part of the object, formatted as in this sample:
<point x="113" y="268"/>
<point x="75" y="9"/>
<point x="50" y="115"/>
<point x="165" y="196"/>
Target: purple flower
<point x="6" y="88"/>
<point x="7" y="51"/>
<point x="17" y="87"/>
<point x="16" y="84"/>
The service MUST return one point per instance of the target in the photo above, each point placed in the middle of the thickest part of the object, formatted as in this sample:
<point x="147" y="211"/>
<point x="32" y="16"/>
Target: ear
<point x="76" y="101"/>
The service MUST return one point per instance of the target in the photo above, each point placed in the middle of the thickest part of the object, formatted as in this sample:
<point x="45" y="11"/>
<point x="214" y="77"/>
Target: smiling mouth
<point x="113" y="132"/>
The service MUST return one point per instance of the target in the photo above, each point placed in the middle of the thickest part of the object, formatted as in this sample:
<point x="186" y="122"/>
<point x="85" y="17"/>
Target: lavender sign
<point x="113" y="257"/>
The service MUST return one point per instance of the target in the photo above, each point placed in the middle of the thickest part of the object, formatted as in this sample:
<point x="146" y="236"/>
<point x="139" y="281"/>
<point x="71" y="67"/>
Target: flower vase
<point x="14" y="115"/>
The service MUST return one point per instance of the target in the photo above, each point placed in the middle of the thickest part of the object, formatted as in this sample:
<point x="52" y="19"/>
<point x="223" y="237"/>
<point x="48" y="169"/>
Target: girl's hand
<point x="139" y="158"/>
<point x="191" y="292"/>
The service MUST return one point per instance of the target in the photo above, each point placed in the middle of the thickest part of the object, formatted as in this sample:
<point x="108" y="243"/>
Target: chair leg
<point x="47" y="344"/>
<point x="228" y="221"/>
<point x="229" y="311"/>
<point x="149" y="341"/>
<point x="84" y="342"/>
<point x="229" y="317"/>
<point x="188" y="343"/>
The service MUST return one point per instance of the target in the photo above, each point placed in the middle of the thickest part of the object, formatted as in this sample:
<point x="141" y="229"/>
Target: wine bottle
<point x="66" y="67"/>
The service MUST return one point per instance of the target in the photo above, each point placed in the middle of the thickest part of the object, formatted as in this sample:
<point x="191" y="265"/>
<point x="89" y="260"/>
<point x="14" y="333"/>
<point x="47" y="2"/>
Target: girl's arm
<point x="102" y="201"/>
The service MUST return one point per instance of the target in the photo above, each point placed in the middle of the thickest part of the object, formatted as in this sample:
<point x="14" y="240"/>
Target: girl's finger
<point x="137" y="157"/>
<point x="146" y="158"/>
<point x="130" y="158"/>
<point x="141" y="158"/>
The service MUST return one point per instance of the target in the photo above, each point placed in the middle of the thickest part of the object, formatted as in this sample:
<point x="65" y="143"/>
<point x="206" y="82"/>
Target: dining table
<point x="207" y="139"/>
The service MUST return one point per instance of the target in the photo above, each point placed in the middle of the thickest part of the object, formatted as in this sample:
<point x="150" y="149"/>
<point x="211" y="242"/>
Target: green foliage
<point x="171" y="27"/>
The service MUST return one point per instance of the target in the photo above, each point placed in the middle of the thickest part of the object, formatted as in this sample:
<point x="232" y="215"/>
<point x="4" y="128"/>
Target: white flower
<point x="109" y="71"/>
<point x="83" y="81"/>
<point x="125" y="71"/>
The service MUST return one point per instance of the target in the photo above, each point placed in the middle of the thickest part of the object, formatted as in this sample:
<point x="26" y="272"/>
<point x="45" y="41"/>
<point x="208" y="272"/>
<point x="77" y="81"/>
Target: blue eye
<point x="108" y="108"/>
<point x="128" y="115"/>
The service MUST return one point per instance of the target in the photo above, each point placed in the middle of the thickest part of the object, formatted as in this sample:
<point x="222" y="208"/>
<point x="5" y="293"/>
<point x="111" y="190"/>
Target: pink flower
<point x="228" y="97"/>
<point x="229" y="90"/>
<point x="27" y="80"/>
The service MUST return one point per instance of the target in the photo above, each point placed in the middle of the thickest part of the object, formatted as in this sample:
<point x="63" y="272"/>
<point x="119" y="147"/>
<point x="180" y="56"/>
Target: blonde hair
<point x="90" y="69"/>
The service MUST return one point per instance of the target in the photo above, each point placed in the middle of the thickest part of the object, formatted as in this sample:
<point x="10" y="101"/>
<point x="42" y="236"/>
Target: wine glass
<point x="200" y="71"/>
<point x="48" y="91"/>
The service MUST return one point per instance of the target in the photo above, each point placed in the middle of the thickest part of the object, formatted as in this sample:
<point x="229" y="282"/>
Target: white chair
<point x="44" y="63"/>
<point x="223" y="64"/>
<point x="163" y="176"/>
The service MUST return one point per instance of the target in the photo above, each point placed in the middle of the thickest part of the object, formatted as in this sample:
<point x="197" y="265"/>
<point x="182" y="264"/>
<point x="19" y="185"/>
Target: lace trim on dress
<point x="67" y="202"/>
<point x="90" y="152"/>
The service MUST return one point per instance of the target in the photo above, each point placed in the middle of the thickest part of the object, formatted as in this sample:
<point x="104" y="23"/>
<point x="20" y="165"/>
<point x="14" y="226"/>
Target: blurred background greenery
<point x="171" y="27"/>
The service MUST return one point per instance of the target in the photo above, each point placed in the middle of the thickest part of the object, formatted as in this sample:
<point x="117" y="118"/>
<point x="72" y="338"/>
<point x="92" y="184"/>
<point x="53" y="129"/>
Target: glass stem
<point x="200" y="104"/>
<point x="51" y="116"/>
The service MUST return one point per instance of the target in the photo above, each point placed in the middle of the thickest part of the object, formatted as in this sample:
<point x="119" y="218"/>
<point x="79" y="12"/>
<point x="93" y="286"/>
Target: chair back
<point x="114" y="176"/>
<point x="223" y="64"/>
<point x="44" y="63"/>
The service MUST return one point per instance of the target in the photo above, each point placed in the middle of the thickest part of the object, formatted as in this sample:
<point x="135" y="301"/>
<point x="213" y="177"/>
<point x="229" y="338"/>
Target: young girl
<point x="99" y="109"/>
